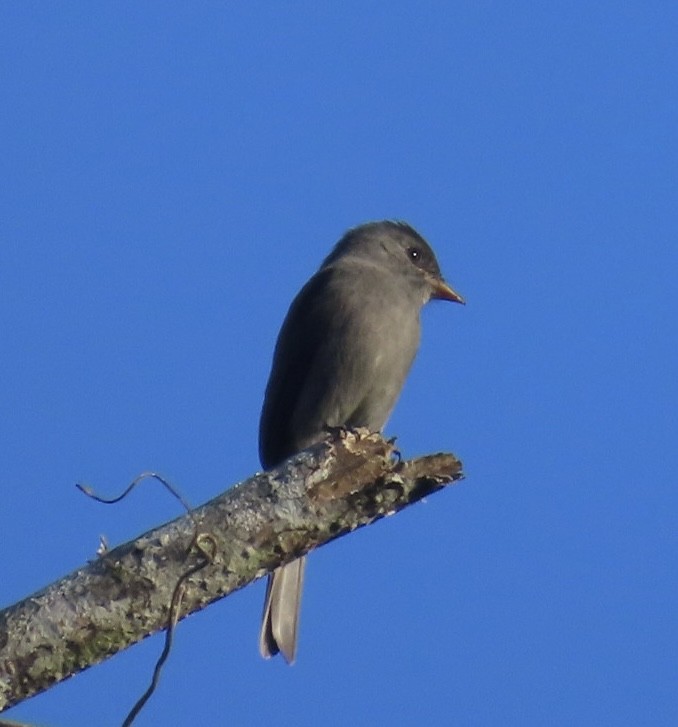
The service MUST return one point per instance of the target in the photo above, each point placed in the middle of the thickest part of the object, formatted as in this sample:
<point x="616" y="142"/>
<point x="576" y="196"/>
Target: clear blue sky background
<point x="172" y="173"/>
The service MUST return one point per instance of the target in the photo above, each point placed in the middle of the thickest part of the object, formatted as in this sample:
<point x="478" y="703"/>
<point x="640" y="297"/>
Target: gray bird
<point x="341" y="358"/>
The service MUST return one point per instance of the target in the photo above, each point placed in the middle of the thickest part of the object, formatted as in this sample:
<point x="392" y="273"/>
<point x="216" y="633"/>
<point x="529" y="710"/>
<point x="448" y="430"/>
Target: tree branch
<point x="348" y="481"/>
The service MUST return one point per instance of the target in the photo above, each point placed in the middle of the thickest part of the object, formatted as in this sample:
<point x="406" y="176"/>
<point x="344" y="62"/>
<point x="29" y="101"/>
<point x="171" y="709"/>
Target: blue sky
<point x="172" y="173"/>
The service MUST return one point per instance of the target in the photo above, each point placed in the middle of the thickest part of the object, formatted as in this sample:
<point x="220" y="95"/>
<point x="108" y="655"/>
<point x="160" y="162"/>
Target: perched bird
<point x="341" y="358"/>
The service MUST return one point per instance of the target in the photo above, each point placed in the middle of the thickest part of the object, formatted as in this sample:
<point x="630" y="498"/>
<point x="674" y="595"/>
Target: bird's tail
<point x="280" y="620"/>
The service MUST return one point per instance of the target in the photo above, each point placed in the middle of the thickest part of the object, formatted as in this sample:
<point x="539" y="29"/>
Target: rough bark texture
<point x="325" y="492"/>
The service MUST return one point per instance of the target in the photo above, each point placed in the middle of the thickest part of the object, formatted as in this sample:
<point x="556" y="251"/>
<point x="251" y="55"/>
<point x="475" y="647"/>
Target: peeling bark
<point x="349" y="481"/>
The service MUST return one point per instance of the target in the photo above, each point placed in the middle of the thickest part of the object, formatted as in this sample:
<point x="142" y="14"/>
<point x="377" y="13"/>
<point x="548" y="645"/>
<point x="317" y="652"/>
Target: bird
<point x="340" y="361"/>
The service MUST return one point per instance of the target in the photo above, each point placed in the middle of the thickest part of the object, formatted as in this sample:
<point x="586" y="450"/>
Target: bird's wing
<point x="314" y="381"/>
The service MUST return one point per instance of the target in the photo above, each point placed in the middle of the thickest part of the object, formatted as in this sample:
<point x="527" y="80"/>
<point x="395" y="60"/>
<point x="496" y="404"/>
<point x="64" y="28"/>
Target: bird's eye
<point x="414" y="254"/>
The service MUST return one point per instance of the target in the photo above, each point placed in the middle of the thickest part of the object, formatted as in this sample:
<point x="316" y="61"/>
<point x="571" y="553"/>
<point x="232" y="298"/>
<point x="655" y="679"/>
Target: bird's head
<point x="400" y="250"/>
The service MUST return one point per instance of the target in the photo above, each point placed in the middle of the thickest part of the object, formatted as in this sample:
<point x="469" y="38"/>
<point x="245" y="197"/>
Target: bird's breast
<point x="388" y="351"/>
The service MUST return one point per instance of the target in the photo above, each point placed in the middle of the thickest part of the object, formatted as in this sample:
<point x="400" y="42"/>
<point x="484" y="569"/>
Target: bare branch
<point x="327" y="491"/>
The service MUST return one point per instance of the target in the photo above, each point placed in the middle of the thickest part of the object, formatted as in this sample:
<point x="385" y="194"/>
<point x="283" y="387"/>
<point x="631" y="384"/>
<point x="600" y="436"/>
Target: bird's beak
<point x="442" y="291"/>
